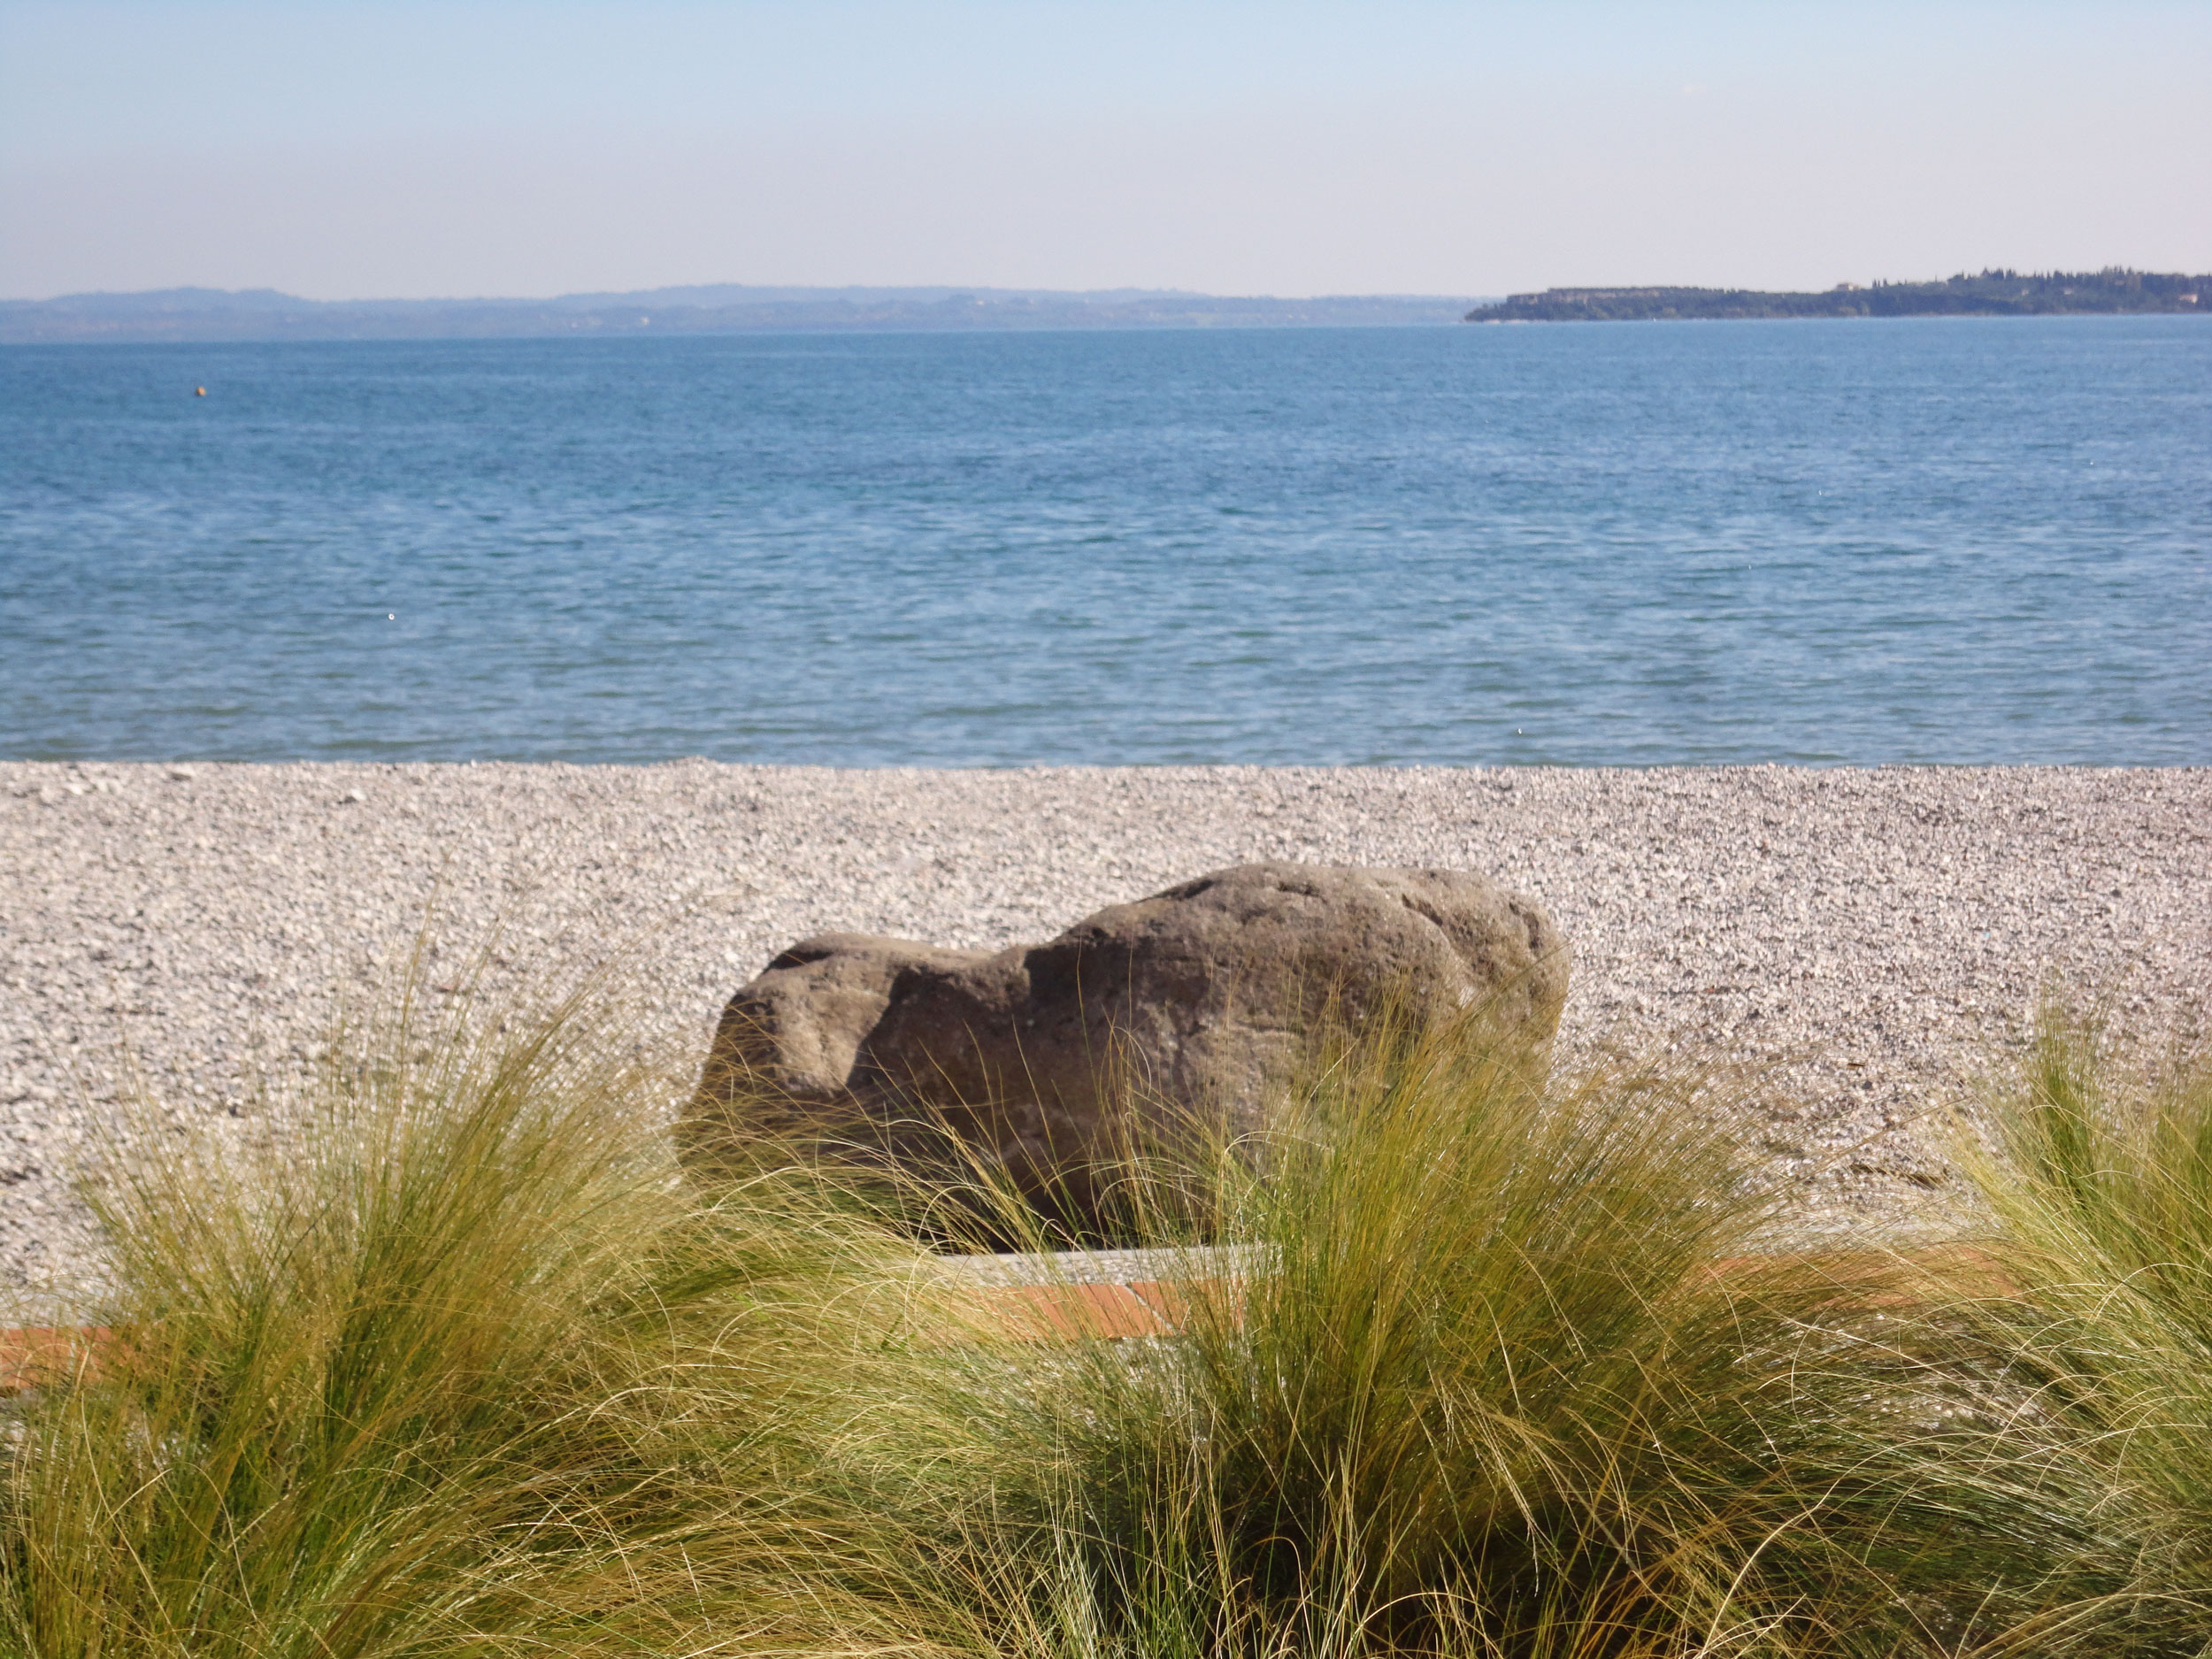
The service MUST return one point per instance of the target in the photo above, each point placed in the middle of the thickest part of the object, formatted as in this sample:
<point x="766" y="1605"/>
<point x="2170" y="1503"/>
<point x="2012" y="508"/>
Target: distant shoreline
<point x="1995" y="293"/>
<point x="211" y="315"/>
<point x="204" y="315"/>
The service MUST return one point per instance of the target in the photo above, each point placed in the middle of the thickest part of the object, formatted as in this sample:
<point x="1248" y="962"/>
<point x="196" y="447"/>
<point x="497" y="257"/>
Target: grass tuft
<point x="1472" y="1383"/>
<point x="2100" y="1188"/>
<point x="465" y="1368"/>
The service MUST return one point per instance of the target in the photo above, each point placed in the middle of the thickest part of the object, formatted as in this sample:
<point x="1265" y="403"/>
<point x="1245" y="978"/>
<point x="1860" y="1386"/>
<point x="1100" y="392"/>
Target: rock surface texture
<point x="1202" y="998"/>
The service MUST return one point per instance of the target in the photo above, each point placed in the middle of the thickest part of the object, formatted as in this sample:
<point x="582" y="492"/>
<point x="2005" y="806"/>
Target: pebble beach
<point x="1865" y="943"/>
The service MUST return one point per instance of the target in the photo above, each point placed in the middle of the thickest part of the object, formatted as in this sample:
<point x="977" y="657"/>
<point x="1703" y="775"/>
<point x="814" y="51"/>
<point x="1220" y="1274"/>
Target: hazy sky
<point x="1386" y="146"/>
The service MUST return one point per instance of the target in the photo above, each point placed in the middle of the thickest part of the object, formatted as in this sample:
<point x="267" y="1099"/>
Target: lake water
<point x="1955" y="540"/>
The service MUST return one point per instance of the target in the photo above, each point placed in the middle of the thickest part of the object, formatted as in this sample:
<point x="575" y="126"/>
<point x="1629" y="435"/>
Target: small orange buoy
<point x="199" y="391"/>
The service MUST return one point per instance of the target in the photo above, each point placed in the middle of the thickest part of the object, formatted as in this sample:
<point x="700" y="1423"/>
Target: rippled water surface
<point x="1960" y="539"/>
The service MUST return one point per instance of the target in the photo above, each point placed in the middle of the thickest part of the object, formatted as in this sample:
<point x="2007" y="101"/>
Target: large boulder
<point x="1198" y="1000"/>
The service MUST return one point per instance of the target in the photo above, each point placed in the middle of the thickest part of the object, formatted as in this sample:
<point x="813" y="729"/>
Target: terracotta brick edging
<point x="32" y="1355"/>
<point x="1062" y="1311"/>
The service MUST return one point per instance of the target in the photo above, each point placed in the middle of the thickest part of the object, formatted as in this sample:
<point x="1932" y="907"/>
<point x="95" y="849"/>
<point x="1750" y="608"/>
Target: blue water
<point x="1965" y="540"/>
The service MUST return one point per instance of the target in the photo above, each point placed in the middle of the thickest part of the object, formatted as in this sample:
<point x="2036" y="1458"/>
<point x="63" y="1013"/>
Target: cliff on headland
<point x="1990" y="293"/>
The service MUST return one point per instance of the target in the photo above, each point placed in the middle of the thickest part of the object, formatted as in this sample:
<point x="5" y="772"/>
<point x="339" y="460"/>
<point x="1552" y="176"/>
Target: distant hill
<point x="1989" y="294"/>
<point x="212" y="314"/>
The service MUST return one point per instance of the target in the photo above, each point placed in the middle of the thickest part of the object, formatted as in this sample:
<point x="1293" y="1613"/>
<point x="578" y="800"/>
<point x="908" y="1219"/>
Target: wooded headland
<point x="1994" y="293"/>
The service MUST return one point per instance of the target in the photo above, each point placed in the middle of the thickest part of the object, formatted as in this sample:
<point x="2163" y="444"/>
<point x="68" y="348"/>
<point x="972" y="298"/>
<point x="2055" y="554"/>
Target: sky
<point x="396" y="150"/>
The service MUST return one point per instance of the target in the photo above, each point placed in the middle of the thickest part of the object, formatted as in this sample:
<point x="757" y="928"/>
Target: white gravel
<point x="1867" y="937"/>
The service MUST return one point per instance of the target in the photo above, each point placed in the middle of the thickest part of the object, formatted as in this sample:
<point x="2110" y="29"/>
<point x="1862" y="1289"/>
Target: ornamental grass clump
<point x="2014" y="1437"/>
<point x="2099" y="1183"/>
<point x="464" y="1370"/>
<point x="1481" y="1365"/>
